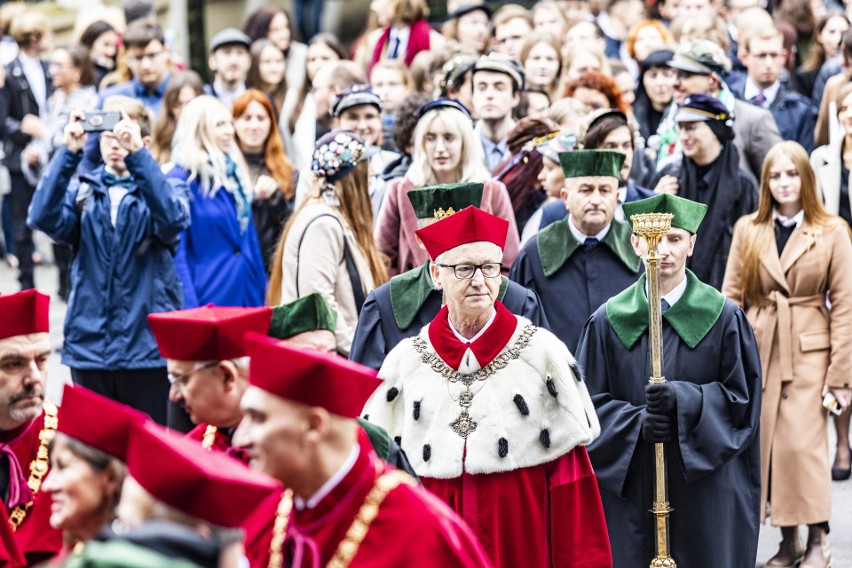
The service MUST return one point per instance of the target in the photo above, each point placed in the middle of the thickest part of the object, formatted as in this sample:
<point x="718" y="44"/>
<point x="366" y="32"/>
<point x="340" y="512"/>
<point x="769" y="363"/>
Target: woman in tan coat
<point x="786" y="262"/>
<point x="327" y="246"/>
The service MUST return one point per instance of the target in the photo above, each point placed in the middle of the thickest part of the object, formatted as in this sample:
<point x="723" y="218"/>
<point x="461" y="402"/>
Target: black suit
<point x="17" y="101"/>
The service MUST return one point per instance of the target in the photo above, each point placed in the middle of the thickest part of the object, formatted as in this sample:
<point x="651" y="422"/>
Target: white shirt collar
<point x="329" y="485"/>
<point x="798" y="218"/>
<point x="674" y="295"/>
<point x="464" y="339"/>
<point x="751" y="90"/>
<point x="402" y="34"/>
<point x="580" y="237"/>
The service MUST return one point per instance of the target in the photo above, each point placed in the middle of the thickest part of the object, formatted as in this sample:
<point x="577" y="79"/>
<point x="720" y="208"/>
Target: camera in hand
<point x="100" y="121"/>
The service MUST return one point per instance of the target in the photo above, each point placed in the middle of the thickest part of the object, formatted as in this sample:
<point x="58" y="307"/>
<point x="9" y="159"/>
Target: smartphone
<point x="100" y="121"/>
<point x="830" y="402"/>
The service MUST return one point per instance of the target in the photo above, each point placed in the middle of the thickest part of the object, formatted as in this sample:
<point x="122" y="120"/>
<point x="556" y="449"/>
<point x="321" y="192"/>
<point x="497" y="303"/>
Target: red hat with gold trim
<point x="209" y="333"/>
<point x="309" y="377"/>
<point x="80" y="407"/>
<point x="210" y="486"/>
<point x="469" y="225"/>
<point x="24" y="313"/>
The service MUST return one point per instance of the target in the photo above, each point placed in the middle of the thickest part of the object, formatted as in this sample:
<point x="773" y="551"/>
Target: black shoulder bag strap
<point x="354" y="277"/>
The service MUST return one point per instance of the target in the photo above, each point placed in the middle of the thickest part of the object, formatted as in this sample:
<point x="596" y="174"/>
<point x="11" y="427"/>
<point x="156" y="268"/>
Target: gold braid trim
<point x="348" y="547"/>
<point x="209" y="437"/>
<point x="38" y="467"/>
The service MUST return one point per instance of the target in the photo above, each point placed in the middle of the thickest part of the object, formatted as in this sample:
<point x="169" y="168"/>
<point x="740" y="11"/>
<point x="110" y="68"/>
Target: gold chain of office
<point x="39" y="466"/>
<point x="348" y="547"/>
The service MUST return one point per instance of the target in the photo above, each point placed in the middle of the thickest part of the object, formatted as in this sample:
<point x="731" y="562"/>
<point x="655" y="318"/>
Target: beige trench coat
<point x="313" y="261"/>
<point x="803" y="346"/>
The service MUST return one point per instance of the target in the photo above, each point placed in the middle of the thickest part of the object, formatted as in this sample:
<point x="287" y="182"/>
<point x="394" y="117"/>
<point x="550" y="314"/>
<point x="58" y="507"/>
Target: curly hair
<point x="598" y="82"/>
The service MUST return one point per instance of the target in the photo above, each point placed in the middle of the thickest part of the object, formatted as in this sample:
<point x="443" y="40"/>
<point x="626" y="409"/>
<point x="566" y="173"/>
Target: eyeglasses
<point x="180" y="379"/>
<point x="136" y="59"/>
<point x="466" y="271"/>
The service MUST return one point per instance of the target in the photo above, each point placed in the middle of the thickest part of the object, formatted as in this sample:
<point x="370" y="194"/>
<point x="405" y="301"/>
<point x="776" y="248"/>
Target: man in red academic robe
<point x="343" y="502"/>
<point x="493" y="412"/>
<point x="208" y="366"/>
<point x="27" y="424"/>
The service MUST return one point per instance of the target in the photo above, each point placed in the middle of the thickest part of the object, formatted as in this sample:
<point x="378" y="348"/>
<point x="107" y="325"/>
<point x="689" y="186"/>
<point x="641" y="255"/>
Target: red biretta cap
<point x="467" y="226"/>
<point x="207" y="334"/>
<point x="309" y="377"/>
<point x="210" y="486"/>
<point x="24" y="313"/>
<point x="97" y="421"/>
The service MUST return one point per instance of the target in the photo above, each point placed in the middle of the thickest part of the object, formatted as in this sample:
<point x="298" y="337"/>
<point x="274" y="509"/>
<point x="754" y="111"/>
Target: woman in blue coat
<point x="219" y="259"/>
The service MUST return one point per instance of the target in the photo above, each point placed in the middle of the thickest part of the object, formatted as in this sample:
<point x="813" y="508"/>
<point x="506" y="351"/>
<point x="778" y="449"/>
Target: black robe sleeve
<point x="718" y="417"/>
<point x="614" y="453"/>
<point x="368" y="345"/>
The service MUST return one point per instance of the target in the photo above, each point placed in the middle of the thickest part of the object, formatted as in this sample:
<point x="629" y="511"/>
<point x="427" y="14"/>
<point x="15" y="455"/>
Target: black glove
<point x="656" y="427"/>
<point x="660" y="398"/>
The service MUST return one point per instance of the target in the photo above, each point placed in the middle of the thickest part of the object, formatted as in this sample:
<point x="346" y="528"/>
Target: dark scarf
<point x="715" y="185"/>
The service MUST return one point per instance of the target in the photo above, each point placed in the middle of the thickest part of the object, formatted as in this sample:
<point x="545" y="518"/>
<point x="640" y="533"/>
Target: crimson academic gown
<point x="36" y="539"/>
<point x="412" y="528"/>
<point x="536" y="502"/>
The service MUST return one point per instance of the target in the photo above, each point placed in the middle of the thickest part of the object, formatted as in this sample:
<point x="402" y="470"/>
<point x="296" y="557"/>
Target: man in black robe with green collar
<point x="707" y="412"/>
<point x="577" y="264"/>
<point x="401" y="307"/>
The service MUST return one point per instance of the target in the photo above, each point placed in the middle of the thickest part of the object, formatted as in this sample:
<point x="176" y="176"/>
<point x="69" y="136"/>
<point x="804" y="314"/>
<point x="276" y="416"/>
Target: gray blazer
<point x="755" y="132"/>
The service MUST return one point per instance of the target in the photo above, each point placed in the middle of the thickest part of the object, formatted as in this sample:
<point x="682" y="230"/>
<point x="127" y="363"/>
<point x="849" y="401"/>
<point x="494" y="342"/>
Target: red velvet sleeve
<point x="579" y="538"/>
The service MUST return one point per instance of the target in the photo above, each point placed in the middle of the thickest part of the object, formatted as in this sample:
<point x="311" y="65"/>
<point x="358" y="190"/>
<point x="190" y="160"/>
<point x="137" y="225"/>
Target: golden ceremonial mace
<point x="651" y="227"/>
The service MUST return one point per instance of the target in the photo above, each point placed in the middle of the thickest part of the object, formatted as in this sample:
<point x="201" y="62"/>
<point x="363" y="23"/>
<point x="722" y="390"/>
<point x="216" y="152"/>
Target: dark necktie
<point x="393" y="52"/>
<point x="664" y="305"/>
<point x="759" y="99"/>
<point x="590" y="242"/>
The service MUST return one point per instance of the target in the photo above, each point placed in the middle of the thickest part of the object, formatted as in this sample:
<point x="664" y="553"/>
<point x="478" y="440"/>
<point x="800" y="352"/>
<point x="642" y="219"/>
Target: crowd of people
<point x="382" y="304"/>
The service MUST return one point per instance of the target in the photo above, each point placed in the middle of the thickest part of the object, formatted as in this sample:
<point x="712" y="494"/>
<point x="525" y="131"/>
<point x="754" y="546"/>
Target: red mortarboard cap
<point x="209" y="486"/>
<point x="467" y="226"/>
<point x="207" y="334"/>
<point x="309" y="377"/>
<point x="81" y="407"/>
<point x="24" y="313"/>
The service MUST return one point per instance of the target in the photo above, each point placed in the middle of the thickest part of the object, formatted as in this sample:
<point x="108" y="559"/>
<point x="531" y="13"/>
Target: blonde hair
<point x="195" y="150"/>
<point x="28" y="28"/>
<point x="472" y="161"/>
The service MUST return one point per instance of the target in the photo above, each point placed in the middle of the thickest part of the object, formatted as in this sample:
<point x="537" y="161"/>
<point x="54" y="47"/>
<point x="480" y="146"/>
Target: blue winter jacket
<point x="119" y="274"/>
<point x="217" y="262"/>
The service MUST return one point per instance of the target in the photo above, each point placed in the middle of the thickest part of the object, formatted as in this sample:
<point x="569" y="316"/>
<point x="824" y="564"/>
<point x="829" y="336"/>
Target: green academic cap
<point x="441" y="200"/>
<point x="588" y="163"/>
<point x="308" y="313"/>
<point x="687" y="214"/>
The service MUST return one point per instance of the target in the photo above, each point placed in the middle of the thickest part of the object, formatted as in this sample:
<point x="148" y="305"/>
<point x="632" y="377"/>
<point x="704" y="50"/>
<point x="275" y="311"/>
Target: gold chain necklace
<point x="209" y="437"/>
<point x="38" y="467"/>
<point x="348" y="547"/>
<point x="464" y="425"/>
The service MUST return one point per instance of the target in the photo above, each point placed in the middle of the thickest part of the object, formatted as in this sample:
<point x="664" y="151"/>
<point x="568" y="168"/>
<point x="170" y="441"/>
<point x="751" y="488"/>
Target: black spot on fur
<point x="551" y="388"/>
<point x="427" y="452"/>
<point x="522" y="405"/>
<point x="544" y="438"/>
<point x="502" y="447"/>
<point x="578" y="372"/>
<point x="588" y="421"/>
<point x="392" y="392"/>
<point x="398" y="440"/>
<point x="367" y="417"/>
<point x="417" y="410"/>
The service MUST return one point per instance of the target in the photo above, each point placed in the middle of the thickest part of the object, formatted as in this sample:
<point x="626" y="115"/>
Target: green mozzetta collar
<point x="556" y="244"/>
<point x="692" y="316"/>
<point x="410" y="290"/>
